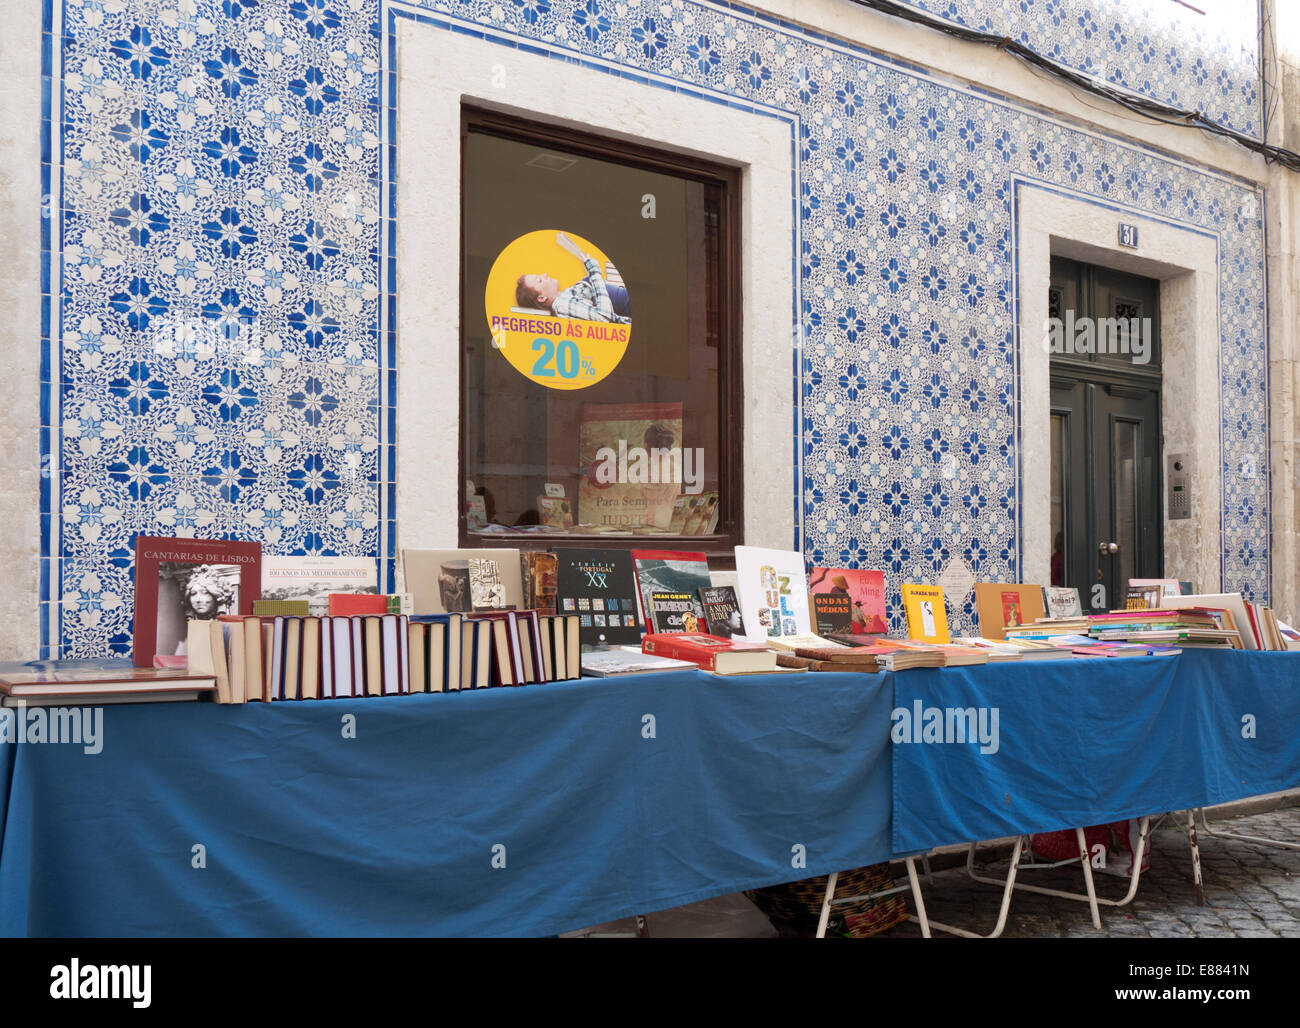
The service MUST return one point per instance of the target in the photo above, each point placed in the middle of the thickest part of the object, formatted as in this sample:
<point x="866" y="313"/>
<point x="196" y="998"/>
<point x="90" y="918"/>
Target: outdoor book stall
<point x="533" y="742"/>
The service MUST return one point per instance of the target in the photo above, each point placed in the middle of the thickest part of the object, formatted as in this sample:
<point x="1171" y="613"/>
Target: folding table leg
<point x="826" y="904"/>
<point x="1091" y="896"/>
<point x="1205" y="826"/>
<point x="1007" y="888"/>
<point x="1196" y="858"/>
<point x="1085" y="860"/>
<point x="917" y="898"/>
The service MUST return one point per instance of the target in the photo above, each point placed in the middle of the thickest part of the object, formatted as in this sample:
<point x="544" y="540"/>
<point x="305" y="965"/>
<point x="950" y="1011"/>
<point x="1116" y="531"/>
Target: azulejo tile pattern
<point x="1205" y="61"/>
<point x="217" y="276"/>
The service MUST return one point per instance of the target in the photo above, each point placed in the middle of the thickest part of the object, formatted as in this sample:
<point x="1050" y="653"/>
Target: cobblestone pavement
<point x="1252" y="891"/>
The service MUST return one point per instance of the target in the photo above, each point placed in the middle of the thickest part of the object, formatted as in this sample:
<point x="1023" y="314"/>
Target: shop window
<point x="600" y="334"/>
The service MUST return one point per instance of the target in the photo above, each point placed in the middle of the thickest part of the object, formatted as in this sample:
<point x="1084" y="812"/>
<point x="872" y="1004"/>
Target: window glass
<point x="594" y="345"/>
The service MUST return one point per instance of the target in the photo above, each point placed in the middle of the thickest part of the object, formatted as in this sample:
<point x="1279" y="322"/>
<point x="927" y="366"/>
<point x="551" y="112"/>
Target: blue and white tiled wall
<point x="1202" y="56"/>
<point x="217" y="358"/>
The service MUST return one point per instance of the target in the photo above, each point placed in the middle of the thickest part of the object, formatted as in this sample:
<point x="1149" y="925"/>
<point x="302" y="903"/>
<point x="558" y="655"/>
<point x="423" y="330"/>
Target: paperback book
<point x="927" y="619"/>
<point x="668" y="582"/>
<point x="847" y="601"/>
<point x="773" y="592"/>
<point x="722" y="612"/>
<point x="1062" y="601"/>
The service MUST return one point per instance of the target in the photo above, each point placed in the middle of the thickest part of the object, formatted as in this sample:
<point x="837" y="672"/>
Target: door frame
<point x="1050" y="221"/>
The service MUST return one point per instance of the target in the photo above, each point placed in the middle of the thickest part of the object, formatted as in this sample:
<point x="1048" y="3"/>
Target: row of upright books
<point x="842" y="628"/>
<point x="332" y="657"/>
<point x="469" y="619"/>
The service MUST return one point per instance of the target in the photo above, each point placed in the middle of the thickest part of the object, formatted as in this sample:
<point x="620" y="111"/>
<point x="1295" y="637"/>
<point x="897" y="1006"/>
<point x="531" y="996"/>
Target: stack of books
<point x="97" y="684"/>
<point x="1190" y="627"/>
<point x="1155" y="629"/>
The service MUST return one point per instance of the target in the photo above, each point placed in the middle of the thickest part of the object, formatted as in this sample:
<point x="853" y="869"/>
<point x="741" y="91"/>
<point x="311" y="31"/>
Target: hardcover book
<point x="537" y="569"/>
<point x="1000" y="606"/>
<point x="927" y="619"/>
<point x="347" y="604"/>
<point x="847" y="601"/>
<point x="668" y="582"/>
<point x="721" y="656"/>
<point x="722" y="612"/>
<point x="627" y="481"/>
<point x="180" y="580"/>
<point x="93" y="686"/>
<point x="270" y="608"/>
<point x="599" y="587"/>
<point x="314" y="578"/>
<point x="439" y="580"/>
<point x="773" y="592"/>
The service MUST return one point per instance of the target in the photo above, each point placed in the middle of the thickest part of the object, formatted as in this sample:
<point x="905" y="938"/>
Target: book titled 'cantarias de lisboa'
<point x="183" y="580"/>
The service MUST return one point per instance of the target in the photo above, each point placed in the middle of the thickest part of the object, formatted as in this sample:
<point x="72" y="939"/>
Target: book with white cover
<point x="773" y="590"/>
<point x="603" y="663"/>
<point x="314" y="578"/>
<point x="811" y="641"/>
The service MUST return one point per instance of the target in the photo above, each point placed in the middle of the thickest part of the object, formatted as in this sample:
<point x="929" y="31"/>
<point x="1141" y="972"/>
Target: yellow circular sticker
<point x="558" y="310"/>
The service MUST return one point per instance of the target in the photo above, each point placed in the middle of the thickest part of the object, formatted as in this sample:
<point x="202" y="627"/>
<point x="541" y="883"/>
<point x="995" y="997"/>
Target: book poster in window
<point x="558" y="309"/>
<point x="631" y="455"/>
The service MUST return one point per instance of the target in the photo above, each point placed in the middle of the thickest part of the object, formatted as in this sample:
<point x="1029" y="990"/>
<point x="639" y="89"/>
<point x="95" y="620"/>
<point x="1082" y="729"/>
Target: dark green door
<point x="1105" y="468"/>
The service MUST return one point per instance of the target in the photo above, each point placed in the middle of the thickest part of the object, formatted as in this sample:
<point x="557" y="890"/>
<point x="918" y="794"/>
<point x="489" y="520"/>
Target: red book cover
<point x="182" y="580"/>
<point x="349" y="604"/>
<point x="847" y="600"/>
<point x="698" y="649"/>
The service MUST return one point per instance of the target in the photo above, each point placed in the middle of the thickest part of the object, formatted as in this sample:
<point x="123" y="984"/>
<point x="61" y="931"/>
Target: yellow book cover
<point x="927" y="621"/>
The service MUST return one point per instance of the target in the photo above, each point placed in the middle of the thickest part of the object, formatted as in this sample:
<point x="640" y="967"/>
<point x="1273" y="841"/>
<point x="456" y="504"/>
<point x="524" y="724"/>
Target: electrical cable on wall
<point x="1151" y="109"/>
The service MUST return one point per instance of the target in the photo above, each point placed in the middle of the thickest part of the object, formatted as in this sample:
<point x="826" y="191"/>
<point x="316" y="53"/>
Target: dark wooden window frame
<point x="564" y="139"/>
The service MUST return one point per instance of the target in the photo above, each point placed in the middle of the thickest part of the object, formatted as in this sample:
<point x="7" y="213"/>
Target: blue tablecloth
<point x="306" y="832"/>
<point x="1087" y="742"/>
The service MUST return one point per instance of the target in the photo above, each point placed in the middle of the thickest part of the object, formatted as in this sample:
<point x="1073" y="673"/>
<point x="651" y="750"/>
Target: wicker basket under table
<point x="800" y="903"/>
